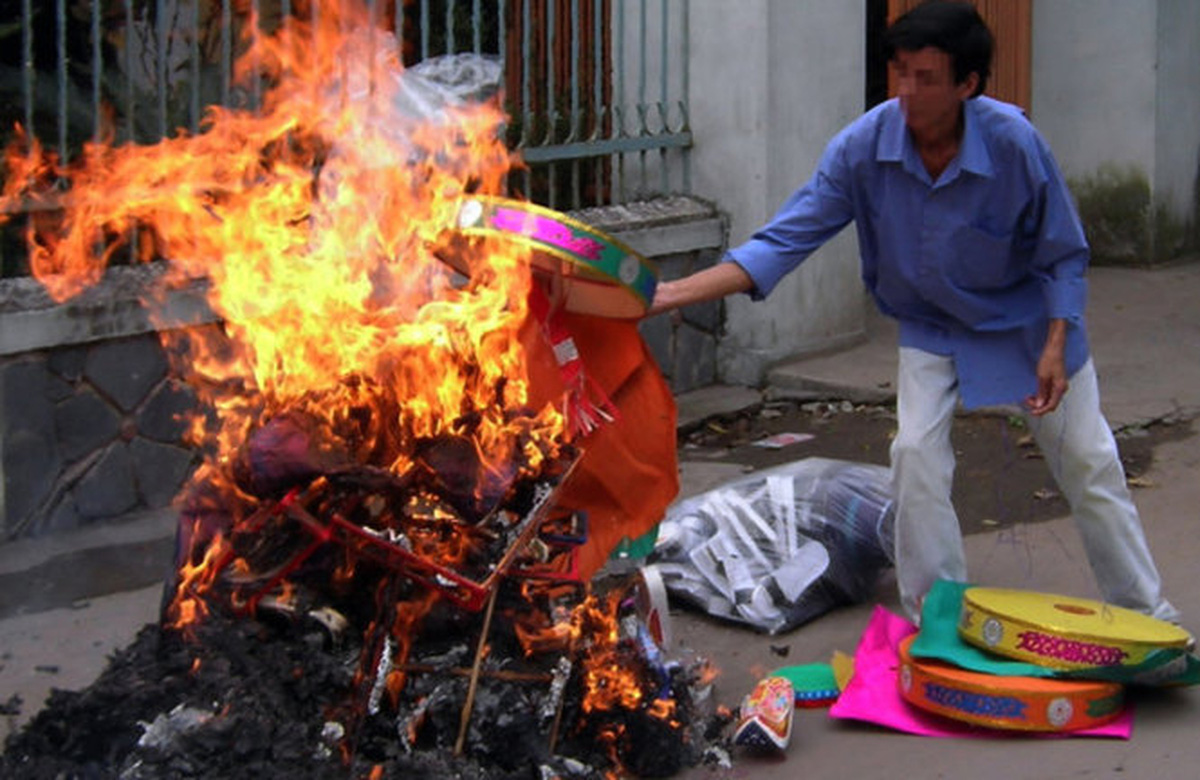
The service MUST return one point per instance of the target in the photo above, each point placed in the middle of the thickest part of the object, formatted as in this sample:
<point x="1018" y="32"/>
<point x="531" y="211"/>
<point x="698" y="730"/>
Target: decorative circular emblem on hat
<point x="993" y="632"/>
<point x="1059" y="712"/>
<point x="629" y="269"/>
<point x="470" y="213"/>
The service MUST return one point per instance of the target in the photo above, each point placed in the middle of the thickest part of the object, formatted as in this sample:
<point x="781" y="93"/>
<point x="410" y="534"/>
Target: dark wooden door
<point x="1010" y="21"/>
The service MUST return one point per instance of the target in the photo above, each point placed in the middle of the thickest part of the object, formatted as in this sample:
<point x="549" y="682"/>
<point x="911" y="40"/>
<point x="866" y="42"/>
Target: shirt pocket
<point x="981" y="258"/>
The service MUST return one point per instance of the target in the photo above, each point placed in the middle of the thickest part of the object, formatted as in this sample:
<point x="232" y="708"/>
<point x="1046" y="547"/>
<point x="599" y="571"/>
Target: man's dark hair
<point x="954" y="27"/>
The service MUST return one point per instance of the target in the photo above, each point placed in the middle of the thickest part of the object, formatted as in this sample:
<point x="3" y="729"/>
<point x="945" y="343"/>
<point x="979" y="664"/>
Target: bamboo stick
<point x="475" y="670"/>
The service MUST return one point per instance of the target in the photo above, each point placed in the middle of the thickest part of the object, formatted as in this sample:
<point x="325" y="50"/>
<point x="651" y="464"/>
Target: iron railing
<point x="595" y="90"/>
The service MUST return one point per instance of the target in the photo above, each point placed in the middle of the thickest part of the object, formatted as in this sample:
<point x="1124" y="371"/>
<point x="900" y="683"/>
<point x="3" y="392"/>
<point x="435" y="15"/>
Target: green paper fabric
<point x="939" y="639"/>
<point x="810" y="678"/>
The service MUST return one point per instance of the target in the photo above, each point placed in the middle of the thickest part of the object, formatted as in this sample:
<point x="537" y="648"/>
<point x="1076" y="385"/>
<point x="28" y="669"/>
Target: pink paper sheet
<point x="873" y="694"/>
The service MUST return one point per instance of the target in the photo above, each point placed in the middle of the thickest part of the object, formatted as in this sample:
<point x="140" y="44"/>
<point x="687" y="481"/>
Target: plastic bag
<point x="468" y="77"/>
<point x="781" y="546"/>
<point x="410" y="118"/>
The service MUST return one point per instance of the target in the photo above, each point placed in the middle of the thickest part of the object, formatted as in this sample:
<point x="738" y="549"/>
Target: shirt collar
<point x="973" y="153"/>
<point x="895" y="144"/>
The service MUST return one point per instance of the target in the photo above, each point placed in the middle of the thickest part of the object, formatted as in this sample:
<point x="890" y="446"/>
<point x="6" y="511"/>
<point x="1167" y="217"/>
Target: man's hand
<point x="1052" y="381"/>
<point x="716" y="281"/>
<point x="665" y="299"/>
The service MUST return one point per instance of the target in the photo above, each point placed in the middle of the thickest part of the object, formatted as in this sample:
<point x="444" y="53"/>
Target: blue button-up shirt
<point x="972" y="265"/>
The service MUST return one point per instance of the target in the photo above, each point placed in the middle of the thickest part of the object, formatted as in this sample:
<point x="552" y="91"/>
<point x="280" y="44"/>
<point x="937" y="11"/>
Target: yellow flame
<point x="316" y="221"/>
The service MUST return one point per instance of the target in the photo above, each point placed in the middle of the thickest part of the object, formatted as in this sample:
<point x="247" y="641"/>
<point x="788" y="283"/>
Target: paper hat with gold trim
<point x="1063" y="632"/>
<point x="1002" y="702"/>
<point x="599" y="274"/>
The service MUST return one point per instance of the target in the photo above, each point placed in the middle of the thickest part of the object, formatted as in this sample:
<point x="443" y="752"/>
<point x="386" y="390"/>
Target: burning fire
<point x="610" y="680"/>
<point x="317" y="220"/>
<point x="195" y="578"/>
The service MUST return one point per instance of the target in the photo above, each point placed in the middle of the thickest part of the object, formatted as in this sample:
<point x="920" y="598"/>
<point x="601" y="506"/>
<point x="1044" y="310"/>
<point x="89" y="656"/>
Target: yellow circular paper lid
<point x="1063" y="632"/>
<point x="1006" y="702"/>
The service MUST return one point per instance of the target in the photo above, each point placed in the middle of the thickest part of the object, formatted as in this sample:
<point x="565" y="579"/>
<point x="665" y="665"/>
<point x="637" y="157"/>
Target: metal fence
<point x="595" y="90"/>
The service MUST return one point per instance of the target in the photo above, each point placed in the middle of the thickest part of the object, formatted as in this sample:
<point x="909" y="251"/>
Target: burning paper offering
<point x="393" y="492"/>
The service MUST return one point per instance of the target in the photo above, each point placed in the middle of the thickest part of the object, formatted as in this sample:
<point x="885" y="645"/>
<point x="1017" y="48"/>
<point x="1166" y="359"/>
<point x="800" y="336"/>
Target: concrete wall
<point x="90" y="424"/>
<point x="1093" y="81"/>
<point x="1116" y="84"/>
<point x="91" y="413"/>
<point x="1177" y="141"/>
<point x="770" y="82"/>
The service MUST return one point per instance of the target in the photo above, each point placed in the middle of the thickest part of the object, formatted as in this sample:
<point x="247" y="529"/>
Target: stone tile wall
<point x="685" y="342"/>
<point x="682" y="235"/>
<point x="90" y="432"/>
<point x="91" y="417"/>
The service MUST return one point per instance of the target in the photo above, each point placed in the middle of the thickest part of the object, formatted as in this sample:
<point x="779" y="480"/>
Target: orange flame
<point x="405" y="625"/>
<point x="188" y="606"/>
<point x="663" y="709"/>
<point x="614" y="677"/>
<point x="316" y="220"/>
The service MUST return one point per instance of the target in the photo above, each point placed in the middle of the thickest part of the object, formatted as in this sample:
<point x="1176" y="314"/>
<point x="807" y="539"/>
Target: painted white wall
<point x="1118" y="82"/>
<point x="1177" y="145"/>
<point x="771" y="81"/>
<point x="1093" y="86"/>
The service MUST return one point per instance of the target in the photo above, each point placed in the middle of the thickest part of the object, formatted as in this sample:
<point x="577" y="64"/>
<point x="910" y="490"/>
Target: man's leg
<point x="1082" y="455"/>
<point x="929" y="543"/>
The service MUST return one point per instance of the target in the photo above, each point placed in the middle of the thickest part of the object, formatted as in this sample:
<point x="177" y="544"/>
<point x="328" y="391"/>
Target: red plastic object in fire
<point x="332" y="526"/>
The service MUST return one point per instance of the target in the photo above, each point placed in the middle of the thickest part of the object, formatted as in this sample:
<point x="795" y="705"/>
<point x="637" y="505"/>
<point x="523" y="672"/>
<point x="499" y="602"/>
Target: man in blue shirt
<point x="969" y="238"/>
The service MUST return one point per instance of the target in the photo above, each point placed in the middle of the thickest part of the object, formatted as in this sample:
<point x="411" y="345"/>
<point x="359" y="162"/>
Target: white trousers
<point x="1081" y="452"/>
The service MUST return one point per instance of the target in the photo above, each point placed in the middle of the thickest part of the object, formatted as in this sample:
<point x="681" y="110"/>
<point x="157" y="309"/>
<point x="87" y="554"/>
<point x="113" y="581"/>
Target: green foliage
<point x="1114" y="205"/>
<point x="1124" y="224"/>
<point x="1173" y="237"/>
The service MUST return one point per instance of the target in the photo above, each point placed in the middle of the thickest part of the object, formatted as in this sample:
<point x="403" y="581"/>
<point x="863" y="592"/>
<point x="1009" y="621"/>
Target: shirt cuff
<point x="761" y="262"/>
<point x="1066" y="299"/>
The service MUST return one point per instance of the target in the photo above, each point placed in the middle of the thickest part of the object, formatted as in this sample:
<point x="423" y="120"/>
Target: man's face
<point x="925" y="85"/>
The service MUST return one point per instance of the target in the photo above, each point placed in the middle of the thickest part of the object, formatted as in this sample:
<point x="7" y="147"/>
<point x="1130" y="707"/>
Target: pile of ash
<point x="276" y="696"/>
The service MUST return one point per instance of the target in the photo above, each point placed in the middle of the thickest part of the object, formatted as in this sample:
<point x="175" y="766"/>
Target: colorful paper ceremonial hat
<point x="765" y="717"/>
<point x="873" y="694"/>
<point x="1064" y="632"/>
<point x="940" y="638"/>
<point x="595" y="273"/>
<point x="1007" y="702"/>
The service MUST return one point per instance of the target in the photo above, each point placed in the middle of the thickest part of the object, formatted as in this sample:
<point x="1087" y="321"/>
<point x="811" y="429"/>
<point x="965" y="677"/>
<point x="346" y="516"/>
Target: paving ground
<point x="1043" y="556"/>
<point x="57" y="623"/>
<point x="1001" y="480"/>
<point x="1145" y="330"/>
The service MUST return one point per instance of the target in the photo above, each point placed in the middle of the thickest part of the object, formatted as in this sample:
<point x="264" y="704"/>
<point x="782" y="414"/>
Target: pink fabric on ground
<point x="873" y="694"/>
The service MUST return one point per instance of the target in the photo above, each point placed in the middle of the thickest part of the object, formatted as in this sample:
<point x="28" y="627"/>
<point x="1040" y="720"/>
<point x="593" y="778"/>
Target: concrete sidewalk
<point x="1144" y="327"/>
<point x="1145" y="330"/>
<point x="59" y="620"/>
